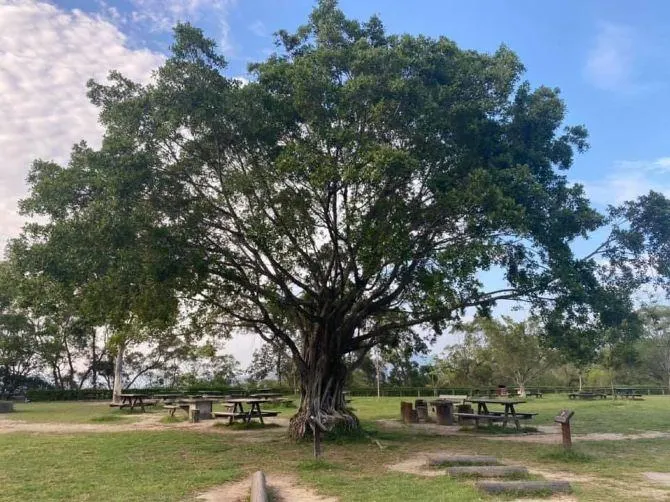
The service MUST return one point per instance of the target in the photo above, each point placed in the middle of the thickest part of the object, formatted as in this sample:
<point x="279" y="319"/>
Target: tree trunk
<point x="522" y="389"/>
<point x="322" y="380"/>
<point x="580" y="381"/>
<point x="378" y="378"/>
<point x="94" y="368"/>
<point x="118" y="374"/>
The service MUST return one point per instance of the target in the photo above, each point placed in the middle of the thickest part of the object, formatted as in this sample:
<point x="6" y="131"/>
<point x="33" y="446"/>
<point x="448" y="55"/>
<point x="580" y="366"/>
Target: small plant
<point x="567" y="455"/>
<point x="172" y="419"/>
<point x="316" y="465"/>
<point x="108" y="418"/>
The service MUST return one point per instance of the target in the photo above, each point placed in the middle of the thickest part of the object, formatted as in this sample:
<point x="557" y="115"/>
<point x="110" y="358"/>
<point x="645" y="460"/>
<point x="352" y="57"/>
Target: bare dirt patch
<point x="544" y="435"/>
<point x="143" y="422"/>
<point x="284" y="489"/>
<point x="621" y="490"/>
<point x="146" y="422"/>
<point x="625" y="490"/>
<point x="662" y="478"/>
<point x="417" y="466"/>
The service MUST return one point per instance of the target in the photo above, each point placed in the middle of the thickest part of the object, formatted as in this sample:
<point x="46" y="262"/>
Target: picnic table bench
<point x="483" y="413"/>
<point x="627" y="393"/>
<point x="587" y="395"/>
<point x="133" y="401"/>
<point x="236" y="410"/>
<point x="531" y="393"/>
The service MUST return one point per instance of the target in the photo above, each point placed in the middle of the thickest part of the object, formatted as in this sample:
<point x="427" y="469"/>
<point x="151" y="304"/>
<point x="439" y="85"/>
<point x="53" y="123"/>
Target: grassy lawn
<point x="175" y="464"/>
<point x="72" y="412"/>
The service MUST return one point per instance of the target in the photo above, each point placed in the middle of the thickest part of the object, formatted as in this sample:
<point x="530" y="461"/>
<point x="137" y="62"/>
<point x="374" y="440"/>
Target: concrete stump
<point x="421" y="407"/>
<point x="194" y="415"/>
<point x="406" y="412"/>
<point x="445" y="413"/>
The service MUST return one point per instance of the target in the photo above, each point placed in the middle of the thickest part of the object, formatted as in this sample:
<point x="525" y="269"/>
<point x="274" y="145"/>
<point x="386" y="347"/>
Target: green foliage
<point x="353" y="190"/>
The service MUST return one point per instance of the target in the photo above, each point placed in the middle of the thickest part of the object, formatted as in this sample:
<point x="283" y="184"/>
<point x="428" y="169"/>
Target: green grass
<point x="170" y="464"/>
<point x="112" y="466"/>
<point x="108" y="418"/>
<point x="173" y="419"/>
<point x="560" y="454"/>
<point x="71" y="412"/>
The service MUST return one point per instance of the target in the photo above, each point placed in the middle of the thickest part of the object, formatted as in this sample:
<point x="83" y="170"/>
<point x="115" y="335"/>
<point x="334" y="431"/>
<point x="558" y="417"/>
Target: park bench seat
<point x="453" y="397"/>
<point x="518" y="414"/>
<point x="236" y="414"/>
<point x="229" y="414"/>
<point x="587" y="395"/>
<point x="495" y="416"/>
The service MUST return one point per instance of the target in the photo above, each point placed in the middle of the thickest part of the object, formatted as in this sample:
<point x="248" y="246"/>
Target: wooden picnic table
<point x="627" y="392"/>
<point x="266" y="395"/>
<point x="510" y="412"/>
<point x="238" y="412"/>
<point x="167" y="396"/>
<point x="132" y="401"/>
<point x="587" y="395"/>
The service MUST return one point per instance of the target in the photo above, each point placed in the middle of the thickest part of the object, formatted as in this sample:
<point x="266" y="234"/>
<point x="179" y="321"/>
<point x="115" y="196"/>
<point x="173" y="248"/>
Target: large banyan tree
<point x="353" y="190"/>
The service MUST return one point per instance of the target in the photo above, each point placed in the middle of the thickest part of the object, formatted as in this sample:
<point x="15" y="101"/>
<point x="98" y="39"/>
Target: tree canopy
<point x="353" y="190"/>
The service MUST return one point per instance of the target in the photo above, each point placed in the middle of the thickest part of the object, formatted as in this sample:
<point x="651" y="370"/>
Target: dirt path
<point x="630" y="489"/>
<point x="146" y="422"/>
<point x="545" y="434"/>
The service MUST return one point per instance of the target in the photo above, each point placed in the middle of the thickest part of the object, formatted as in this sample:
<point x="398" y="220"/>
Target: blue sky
<point x="609" y="58"/>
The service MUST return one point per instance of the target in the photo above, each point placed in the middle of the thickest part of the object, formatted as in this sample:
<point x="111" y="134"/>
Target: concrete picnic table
<point x="510" y="412"/>
<point x="132" y="401"/>
<point x="203" y="405"/>
<point x="238" y="412"/>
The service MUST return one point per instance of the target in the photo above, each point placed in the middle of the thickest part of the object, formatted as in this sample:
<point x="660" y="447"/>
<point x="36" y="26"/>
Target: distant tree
<point x="469" y="363"/>
<point x="206" y="366"/>
<point x="515" y="348"/>
<point x="18" y="357"/>
<point x="400" y="359"/>
<point x="273" y="358"/>
<point x="655" y="344"/>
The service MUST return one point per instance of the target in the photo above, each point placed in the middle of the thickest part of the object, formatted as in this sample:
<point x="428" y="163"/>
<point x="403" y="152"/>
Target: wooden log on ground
<point x="523" y="487"/>
<point x="487" y="471"/>
<point x="259" y="492"/>
<point x="6" y="406"/>
<point x="446" y="460"/>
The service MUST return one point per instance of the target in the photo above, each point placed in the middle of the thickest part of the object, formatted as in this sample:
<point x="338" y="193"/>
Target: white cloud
<point x="610" y="62"/>
<point x="46" y="57"/>
<point x="659" y="165"/>
<point x="630" y="179"/>
<point x="160" y="16"/>
<point x="258" y="28"/>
